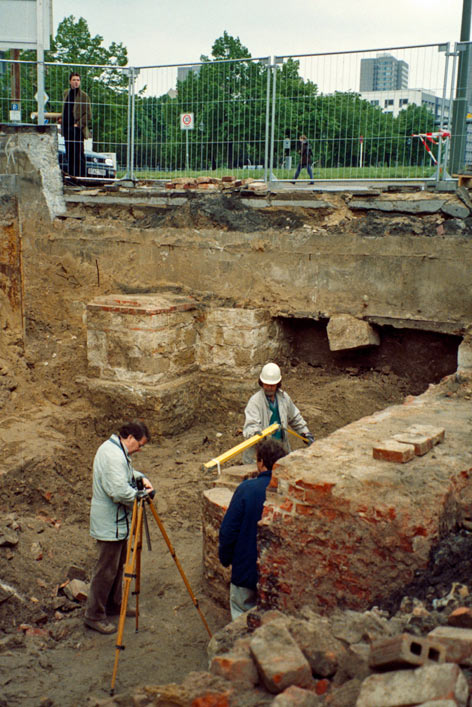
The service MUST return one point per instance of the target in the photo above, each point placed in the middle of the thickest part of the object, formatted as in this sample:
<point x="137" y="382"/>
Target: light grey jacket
<point x="113" y="491"/>
<point x="258" y="414"/>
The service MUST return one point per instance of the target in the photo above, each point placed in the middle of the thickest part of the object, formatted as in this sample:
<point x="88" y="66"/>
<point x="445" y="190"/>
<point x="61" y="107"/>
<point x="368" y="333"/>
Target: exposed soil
<point x="49" y="434"/>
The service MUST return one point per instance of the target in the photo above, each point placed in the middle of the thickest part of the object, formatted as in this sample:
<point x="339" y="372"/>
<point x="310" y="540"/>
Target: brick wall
<point x="346" y="529"/>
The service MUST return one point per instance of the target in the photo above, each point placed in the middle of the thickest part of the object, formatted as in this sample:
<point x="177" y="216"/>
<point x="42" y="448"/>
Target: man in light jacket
<point x="114" y="492"/>
<point x="269" y="405"/>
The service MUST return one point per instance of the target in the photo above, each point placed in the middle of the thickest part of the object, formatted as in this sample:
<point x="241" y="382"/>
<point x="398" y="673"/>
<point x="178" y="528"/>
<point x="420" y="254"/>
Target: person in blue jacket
<point x="114" y="491"/>
<point x="238" y="531"/>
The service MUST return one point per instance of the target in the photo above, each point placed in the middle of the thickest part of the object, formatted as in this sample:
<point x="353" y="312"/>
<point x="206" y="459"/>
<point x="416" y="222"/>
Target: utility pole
<point x="459" y="106"/>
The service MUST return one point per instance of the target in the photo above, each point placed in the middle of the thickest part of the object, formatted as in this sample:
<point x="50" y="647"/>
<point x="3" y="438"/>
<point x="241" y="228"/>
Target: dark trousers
<point x="74" y="141"/>
<point x="107" y="579"/>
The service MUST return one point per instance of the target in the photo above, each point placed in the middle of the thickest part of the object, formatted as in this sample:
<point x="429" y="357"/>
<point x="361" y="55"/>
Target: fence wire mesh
<point x="378" y="114"/>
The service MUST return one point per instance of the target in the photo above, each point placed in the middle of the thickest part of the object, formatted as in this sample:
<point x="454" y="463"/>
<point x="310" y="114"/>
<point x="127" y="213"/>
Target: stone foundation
<point x="160" y="356"/>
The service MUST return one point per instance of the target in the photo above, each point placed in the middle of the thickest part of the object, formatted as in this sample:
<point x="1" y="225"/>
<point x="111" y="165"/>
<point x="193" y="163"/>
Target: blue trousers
<point x="308" y="169"/>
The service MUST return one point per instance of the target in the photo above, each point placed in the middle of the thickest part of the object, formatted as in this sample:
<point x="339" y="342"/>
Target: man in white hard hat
<point x="269" y="405"/>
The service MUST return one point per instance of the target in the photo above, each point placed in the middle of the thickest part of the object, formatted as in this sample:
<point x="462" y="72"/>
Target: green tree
<point x="74" y="48"/>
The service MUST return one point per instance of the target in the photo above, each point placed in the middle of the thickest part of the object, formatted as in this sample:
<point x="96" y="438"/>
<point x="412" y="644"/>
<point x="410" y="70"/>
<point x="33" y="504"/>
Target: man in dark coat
<point x="75" y="120"/>
<point x="306" y="158"/>
<point x="238" y="532"/>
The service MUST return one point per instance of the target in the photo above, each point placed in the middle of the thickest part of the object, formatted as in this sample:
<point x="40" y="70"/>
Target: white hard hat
<point x="270" y="374"/>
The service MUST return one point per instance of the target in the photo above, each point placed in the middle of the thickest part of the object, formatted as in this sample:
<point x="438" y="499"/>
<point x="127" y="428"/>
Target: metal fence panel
<point x="361" y="111"/>
<point x="204" y="118"/>
<point x="365" y="114"/>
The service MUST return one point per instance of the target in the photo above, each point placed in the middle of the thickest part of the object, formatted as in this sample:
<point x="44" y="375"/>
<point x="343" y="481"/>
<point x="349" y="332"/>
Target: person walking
<point x="114" y="492"/>
<point x="238" y="532"/>
<point x="306" y="158"/>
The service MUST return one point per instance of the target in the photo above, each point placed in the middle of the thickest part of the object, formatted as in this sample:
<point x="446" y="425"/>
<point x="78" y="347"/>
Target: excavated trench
<point x="53" y="421"/>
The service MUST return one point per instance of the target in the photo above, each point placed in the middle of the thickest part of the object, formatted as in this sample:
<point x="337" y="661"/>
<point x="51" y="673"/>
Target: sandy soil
<point x="49" y="433"/>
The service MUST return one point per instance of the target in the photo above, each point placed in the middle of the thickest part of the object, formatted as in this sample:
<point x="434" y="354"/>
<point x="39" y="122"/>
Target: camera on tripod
<point x="142" y="492"/>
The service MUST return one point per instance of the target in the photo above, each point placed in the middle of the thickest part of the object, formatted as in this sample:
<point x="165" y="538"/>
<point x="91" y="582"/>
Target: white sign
<point x="187" y="121"/>
<point x="46" y="97"/>
<point x="18" y="24"/>
<point x="15" y="116"/>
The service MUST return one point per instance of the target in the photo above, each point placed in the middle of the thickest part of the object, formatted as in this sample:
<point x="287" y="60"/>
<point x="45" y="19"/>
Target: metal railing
<point x="386" y="114"/>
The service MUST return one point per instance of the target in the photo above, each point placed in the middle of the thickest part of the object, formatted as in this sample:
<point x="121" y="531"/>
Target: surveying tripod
<point x="132" y="567"/>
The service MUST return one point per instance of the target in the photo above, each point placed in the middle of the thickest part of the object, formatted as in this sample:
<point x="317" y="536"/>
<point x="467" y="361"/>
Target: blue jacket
<point x="238" y="532"/>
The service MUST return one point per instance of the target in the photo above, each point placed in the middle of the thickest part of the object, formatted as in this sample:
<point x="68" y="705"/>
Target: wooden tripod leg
<point x="137" y="580"/>
<point x="128" y="575"/>
<point x="179" y="567"/>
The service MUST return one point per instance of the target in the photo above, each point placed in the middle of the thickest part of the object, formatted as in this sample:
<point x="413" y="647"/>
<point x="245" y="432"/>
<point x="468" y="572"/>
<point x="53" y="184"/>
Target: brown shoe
<point x="100" y="626"/>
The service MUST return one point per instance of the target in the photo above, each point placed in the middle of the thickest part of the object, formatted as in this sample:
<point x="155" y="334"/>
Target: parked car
<point x="98" y="166"/>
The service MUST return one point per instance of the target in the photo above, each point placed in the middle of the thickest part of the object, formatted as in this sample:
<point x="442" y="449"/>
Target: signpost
<point x="187" y="122"/>
<point x="26" y="24"/>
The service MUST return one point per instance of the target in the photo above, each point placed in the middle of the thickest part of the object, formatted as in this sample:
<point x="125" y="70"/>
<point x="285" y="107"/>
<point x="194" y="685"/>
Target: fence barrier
<point x="394" y="113"/>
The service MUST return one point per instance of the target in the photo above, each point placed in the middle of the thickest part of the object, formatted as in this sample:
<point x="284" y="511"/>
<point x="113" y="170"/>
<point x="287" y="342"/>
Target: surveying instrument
<point x="132" y="567"/>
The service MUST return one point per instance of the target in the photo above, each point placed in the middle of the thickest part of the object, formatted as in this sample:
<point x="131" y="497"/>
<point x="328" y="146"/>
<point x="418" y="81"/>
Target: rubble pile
<point x="226" y="183"/>
<point x="348" y="659"/>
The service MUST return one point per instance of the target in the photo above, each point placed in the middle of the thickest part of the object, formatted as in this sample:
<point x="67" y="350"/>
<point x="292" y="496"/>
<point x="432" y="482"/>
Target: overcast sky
<point x="158" y="32"/>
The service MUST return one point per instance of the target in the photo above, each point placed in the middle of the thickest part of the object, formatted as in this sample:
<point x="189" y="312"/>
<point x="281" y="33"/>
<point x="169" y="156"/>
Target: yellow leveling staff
<point x="226" y="456"/>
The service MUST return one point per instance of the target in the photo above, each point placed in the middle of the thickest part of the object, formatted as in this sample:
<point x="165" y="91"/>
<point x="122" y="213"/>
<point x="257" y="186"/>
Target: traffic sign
<point x="187" y="121"/>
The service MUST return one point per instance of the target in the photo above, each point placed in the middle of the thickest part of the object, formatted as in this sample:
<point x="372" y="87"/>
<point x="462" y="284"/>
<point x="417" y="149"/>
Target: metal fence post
<point x="267" y="121"/>
<point x="274" y="63"/>
<point x="40" y="61"/>
<point x="132" y="74"/>
<point x="129" y="71"/>
<point x="441" y="165"/>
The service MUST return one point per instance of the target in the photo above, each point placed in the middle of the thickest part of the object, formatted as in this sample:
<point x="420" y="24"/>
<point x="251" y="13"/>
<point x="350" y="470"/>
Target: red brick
<point x="436" y="434"/>
<point x="421" y="443"/>
<point x="392" y="451"/>
<point x="211" y="700"/>
<point x="303" y="510"/>
<point x="461" y="617"/>
<point x="279" y="660"/>
<point x="322" y="686"/>
<point x="286" y="505"/>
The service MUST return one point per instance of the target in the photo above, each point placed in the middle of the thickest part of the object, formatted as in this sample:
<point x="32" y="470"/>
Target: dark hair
<point x="279" y="384"/>
<point x="268" y="451"/>
<point x="136" y="429"/>
<point x="73" y="73"/>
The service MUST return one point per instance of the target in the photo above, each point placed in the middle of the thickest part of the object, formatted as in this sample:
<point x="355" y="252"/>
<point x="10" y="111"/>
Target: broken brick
<point x="413" y="687"/>
<point x="405" y="650"/>
<point x="461" y="617"/>
<point x="238" y="668"/>
<point x="457" y="641"/>
<point x="436" y="434"/>
<point x="392" y="451"/>
<point x="421" y="443"/>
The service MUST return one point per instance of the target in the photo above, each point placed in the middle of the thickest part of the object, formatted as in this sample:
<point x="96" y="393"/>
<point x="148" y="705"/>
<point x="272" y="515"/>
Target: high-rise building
<point x="383" y="73"/>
